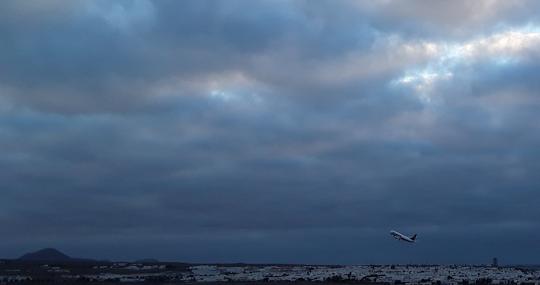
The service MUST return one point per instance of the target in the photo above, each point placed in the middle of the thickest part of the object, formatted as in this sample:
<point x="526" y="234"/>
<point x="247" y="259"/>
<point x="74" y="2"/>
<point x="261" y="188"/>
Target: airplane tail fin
<point x="413" y="237"/>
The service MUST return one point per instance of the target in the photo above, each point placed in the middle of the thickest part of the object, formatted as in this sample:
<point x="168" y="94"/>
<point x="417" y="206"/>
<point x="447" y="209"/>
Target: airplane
<point x="403" y="237"/>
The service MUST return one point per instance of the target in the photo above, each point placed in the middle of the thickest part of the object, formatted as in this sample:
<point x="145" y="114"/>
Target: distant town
<point x="52" y="267"/>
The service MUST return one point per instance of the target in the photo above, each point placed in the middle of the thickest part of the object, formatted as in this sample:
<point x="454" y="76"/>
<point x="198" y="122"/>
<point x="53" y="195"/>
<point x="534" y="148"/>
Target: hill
<point x="46" y="254"/>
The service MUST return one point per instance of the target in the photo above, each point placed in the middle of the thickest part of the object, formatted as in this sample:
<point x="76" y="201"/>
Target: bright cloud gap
<point x="502" y="49"/>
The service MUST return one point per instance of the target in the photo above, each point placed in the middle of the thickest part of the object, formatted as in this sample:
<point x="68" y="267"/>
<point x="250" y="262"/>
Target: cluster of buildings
<point x="391" y="274"/>
<point x="381" y="274"/>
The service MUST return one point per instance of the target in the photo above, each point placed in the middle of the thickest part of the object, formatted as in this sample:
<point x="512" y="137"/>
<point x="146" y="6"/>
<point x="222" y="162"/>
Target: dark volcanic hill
<point x="46" y="254"/>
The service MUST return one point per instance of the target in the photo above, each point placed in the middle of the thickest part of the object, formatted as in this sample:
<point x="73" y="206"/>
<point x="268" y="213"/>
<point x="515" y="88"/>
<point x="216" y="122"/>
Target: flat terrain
<point x="104" y="272"/>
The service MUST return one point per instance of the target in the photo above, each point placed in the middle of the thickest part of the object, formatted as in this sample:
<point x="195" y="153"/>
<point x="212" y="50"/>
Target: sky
<point x="271" y="131"/>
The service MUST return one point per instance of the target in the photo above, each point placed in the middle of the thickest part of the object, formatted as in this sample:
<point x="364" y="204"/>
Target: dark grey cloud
<point x="270" y="131"/>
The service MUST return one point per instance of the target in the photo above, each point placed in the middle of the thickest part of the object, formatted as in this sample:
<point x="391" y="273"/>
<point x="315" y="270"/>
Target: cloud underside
<point x="259" y="125"/>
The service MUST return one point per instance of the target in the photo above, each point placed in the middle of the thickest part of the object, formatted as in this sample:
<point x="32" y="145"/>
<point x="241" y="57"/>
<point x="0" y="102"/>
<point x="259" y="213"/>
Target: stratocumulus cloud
<point x="271" y="131"/>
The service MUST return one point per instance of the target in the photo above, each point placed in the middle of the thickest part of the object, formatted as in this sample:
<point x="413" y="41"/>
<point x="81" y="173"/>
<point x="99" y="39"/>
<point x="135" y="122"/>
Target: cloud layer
<point x="271" y="131"/>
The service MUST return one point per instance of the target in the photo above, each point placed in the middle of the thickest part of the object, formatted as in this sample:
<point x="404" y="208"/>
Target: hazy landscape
<point x="52" y="266"/>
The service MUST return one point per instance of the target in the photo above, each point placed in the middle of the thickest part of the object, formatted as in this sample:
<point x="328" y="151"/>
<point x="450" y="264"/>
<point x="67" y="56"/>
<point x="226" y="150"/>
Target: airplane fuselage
<point x="400" y="236"/>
